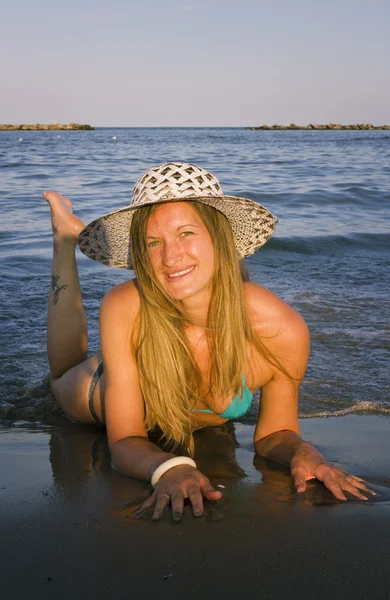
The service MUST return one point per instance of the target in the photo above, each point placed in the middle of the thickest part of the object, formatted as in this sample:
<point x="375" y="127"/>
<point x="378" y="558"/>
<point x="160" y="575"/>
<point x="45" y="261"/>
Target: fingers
<point x="158" y="501"/>
<point x="177" y="502"/>
<point x="353" y="484"/>
<point x="348" y="487"/>
<point x="332" y="485"/>
<point x="299" y="478"/>
<point x="212" y="494"/>
<point x="354" y="477"/>
<point x="208" y="491"/>
<point x="342" y="482"/>
<point x="359" y="483"/>
<point x="162" y="501"/>
<point x="196" y="499"/>
<point x="147" y="505"/>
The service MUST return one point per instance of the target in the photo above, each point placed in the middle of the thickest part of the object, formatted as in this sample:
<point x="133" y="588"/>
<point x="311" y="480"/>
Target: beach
<point x="69" y="529"/>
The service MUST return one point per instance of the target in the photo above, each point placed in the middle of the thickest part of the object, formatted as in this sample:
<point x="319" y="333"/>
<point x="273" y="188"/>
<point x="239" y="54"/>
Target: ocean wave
<point x="364" y="335"/>
<point x="363" y="407"/>
<point x="35" y="403"/>
<point x="13" y="165"/>
<point x="341" y="194"/>
<point x="358" y="139"/>
<point x="329" y="243"/>
<point x="32" y="176"/>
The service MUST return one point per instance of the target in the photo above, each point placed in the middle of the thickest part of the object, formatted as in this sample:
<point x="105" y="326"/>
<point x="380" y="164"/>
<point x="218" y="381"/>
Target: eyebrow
<point x="189" y="225"/>
<point x="152" y="237"/>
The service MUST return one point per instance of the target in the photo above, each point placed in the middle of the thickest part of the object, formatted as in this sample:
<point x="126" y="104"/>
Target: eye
<point x="153" y="244"/>
<point x="186" y="233"/>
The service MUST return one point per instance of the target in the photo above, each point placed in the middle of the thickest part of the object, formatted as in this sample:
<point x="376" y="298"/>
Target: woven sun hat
<point x="107" y="239"/>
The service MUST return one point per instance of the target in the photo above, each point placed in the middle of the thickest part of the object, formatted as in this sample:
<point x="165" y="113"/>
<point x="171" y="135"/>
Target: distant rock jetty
<point x="52" y="127"/>
<point x="333" y="126"/>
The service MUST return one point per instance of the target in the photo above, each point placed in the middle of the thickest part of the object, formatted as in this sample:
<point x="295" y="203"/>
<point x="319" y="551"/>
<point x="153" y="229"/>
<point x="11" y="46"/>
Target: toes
<point x="57" y="201"/>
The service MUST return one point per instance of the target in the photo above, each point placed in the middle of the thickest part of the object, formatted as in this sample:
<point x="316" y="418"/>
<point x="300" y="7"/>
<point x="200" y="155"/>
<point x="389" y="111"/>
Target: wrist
<point x="279" y="446"/>
<point x="304" y="449"/>
<point x="168" y="465"/>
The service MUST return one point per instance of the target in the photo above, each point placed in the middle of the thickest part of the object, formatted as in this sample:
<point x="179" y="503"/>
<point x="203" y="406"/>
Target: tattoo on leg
<point x="56" y="289"/>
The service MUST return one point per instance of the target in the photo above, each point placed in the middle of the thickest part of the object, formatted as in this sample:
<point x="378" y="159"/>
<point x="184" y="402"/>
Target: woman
<point x="185" y="344"/>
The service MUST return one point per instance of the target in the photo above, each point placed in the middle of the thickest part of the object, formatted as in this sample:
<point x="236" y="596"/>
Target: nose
<point x="172" y="253"/>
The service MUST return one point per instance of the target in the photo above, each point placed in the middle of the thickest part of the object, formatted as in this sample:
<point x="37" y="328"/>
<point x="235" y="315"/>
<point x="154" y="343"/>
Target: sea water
<point x="329" y="257"/>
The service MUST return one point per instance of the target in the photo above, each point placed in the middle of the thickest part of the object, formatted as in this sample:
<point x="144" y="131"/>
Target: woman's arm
<point x="277" y="435"/>
<point x="131" y="451"/>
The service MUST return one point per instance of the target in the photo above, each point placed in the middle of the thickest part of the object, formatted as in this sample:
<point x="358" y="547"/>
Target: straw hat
<point x="107" y="239"/>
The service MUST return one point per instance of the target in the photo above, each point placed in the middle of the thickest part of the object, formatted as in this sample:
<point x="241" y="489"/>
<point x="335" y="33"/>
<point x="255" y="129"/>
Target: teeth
<point x="179" y="273"/>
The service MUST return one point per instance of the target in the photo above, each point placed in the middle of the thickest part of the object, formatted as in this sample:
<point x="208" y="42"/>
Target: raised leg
<point x="67" y="339"/>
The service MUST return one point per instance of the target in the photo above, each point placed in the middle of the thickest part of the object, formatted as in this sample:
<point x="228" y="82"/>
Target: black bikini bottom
<point x="95" y="378"/>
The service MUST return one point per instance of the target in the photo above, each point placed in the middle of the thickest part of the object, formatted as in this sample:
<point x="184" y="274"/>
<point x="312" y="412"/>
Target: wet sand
<point x="68" y="528"/>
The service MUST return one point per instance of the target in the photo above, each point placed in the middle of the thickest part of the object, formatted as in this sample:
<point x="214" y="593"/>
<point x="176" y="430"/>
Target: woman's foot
<point x="66" y="226"/>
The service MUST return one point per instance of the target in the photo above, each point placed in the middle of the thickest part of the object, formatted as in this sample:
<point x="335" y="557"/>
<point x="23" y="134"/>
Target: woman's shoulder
<point x="122" y="300"/>
<point x="265" y="303"/>
<point x="273" y="318"/>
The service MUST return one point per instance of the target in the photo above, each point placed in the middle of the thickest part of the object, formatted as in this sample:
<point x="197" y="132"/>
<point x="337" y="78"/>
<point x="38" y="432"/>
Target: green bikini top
<point x="238" y="406"/>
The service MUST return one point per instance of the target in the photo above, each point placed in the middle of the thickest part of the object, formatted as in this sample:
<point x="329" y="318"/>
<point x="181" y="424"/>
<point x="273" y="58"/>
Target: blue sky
<point x="200" y="63"/>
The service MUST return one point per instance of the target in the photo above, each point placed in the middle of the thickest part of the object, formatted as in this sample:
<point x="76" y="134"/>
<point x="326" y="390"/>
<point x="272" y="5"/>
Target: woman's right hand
<point x="174" y="487"/>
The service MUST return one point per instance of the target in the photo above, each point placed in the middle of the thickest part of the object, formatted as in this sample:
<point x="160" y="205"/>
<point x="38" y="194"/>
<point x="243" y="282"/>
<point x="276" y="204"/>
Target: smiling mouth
<point x="181" y="273"/>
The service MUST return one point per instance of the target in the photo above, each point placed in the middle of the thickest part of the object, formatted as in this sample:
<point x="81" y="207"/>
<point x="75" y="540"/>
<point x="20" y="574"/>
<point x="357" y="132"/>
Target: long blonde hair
<point x="170" y="378"/>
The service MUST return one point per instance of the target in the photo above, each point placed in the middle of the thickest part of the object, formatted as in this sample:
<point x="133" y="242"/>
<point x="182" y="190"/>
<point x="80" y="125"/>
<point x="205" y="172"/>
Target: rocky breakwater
<point x="52" y="127"/>
<point x="330" y="126"/>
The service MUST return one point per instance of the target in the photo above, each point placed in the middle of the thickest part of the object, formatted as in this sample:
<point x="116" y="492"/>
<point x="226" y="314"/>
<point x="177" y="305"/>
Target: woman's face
<point x="181" y="251"/>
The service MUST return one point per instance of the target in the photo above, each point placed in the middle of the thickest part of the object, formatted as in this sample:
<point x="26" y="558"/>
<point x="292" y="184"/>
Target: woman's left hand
<point x="308" y="464"/>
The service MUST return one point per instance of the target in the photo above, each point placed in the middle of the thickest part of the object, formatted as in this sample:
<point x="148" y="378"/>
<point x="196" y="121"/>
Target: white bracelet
<point x="169" y="464"/>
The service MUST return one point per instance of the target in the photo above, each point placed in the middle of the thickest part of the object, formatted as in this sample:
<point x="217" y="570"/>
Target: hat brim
<point x="107" y="239"/>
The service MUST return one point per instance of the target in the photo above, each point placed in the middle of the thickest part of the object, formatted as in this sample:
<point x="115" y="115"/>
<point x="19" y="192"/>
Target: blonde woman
<point x="186" y="343"/>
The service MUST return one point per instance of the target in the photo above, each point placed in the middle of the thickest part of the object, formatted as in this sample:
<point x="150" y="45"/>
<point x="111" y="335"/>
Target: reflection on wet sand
<point x="81" y="467"/>
<point x="79" y="454"/>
